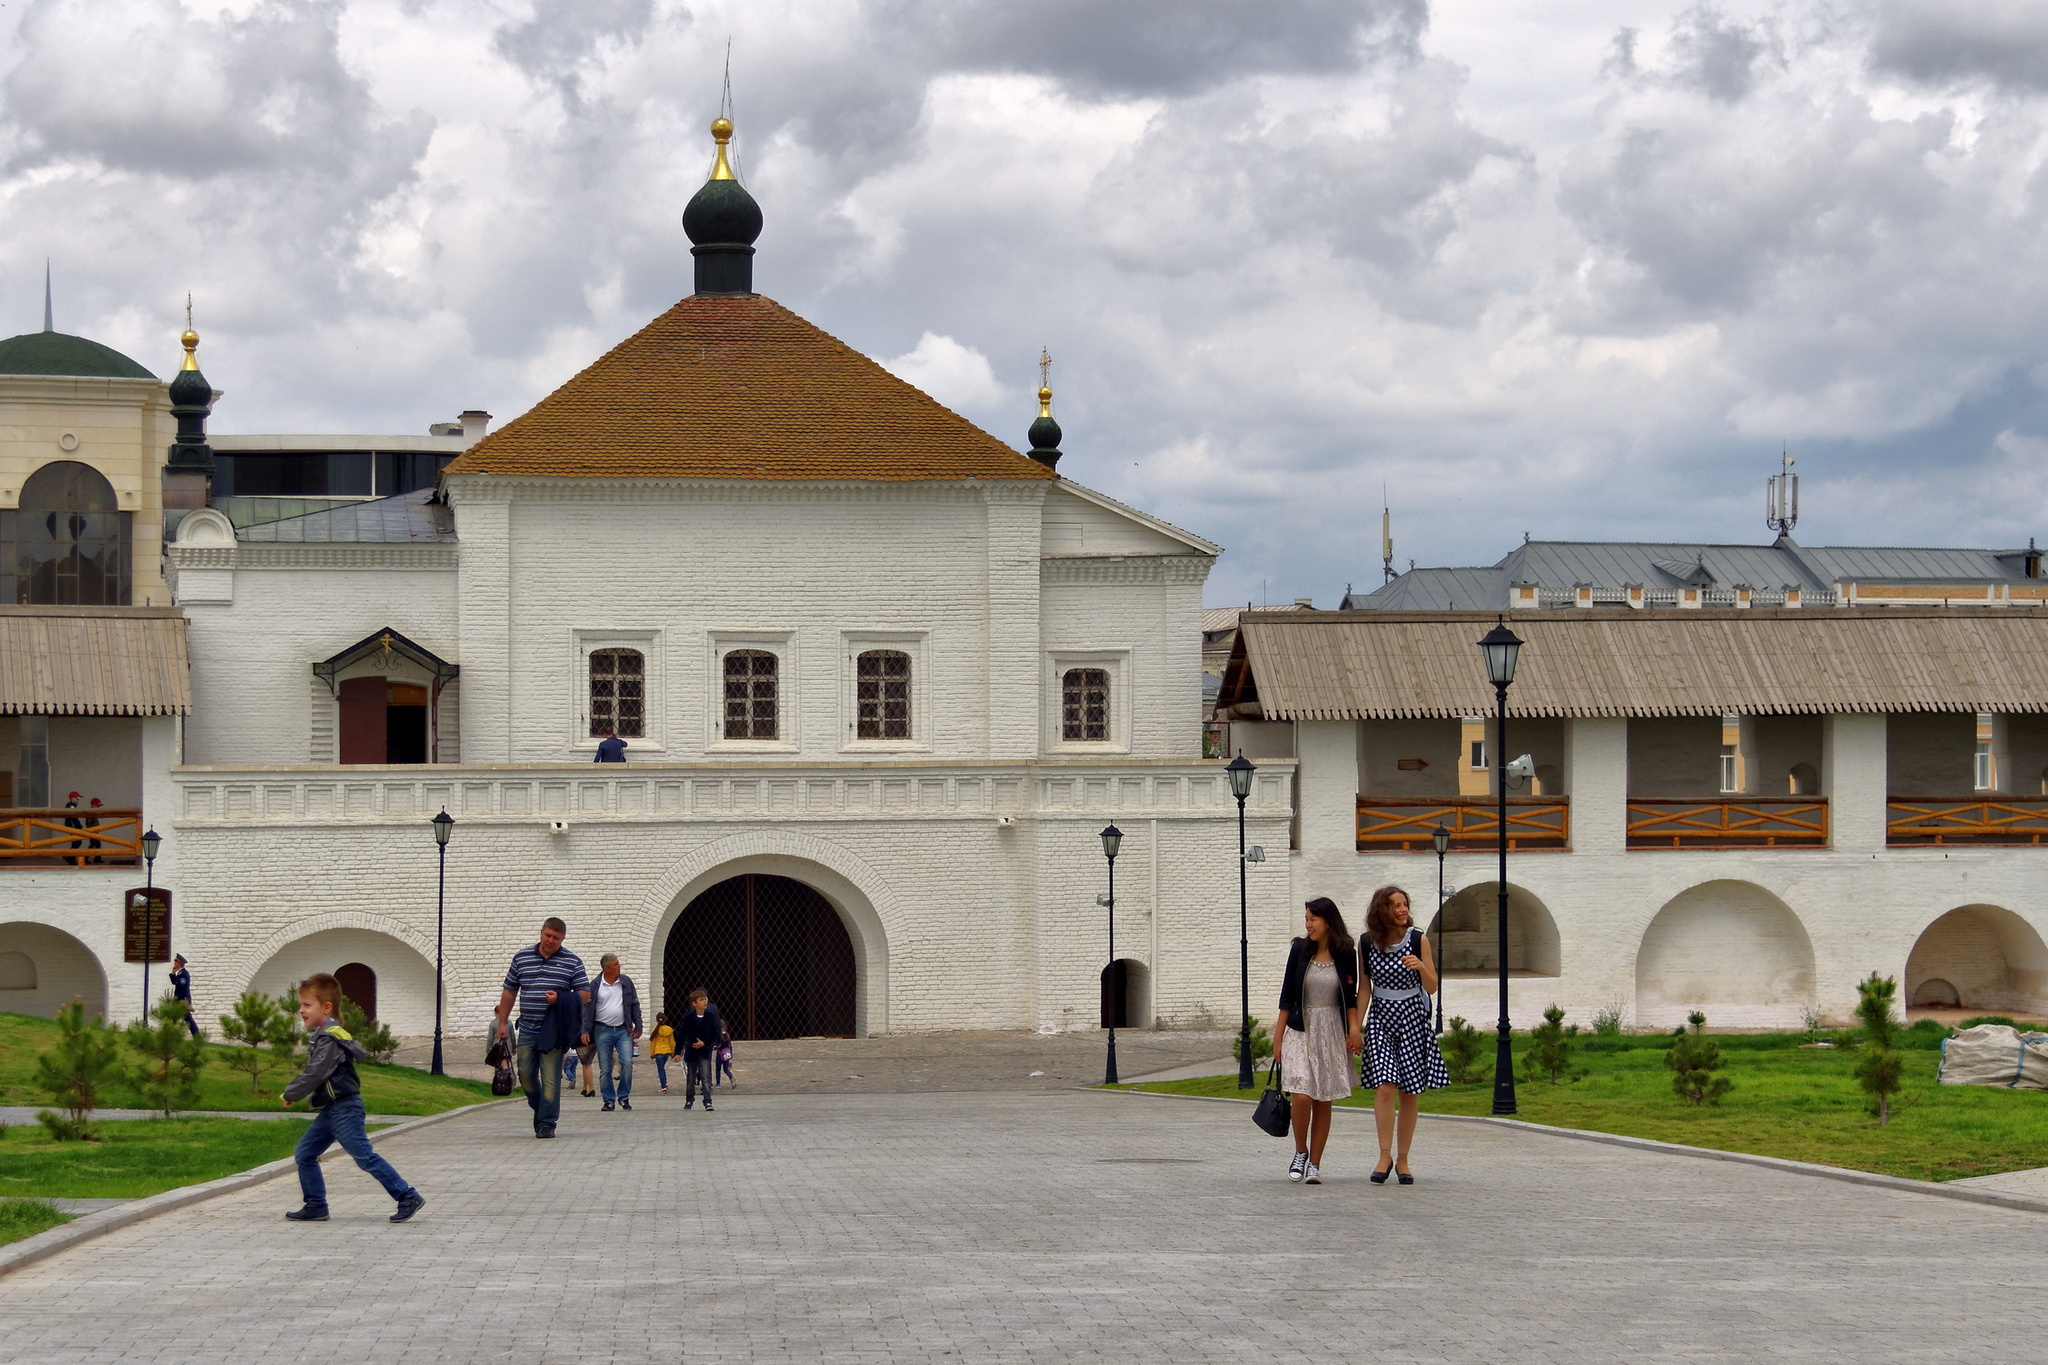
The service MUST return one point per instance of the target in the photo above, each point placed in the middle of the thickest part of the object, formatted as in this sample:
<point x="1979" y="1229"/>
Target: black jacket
<point x="564" y="1023"/>
<point x="690" y="1028"/>
<point x="1298" y="957"/>
<point x="629" y="1002"/>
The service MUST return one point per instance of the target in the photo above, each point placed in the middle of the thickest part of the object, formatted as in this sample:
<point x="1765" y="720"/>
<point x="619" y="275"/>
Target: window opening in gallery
<point x="618" y="692"/>
<point x="750" y="694"/>
<point x="883" y="681"/>
<point x="1084" y="704"/>
<point x="67" y="543"/>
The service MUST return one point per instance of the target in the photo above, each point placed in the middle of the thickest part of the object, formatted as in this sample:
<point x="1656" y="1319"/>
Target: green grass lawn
<point x="386" y="1089"/>
<point x="21" y="1218"/>
<point x="1788" y="1101"/>
<point x="137" y="1157"/>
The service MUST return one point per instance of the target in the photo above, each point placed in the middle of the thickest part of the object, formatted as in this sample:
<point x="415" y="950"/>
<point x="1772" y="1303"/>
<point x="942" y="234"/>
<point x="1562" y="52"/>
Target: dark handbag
<point x="501" y="1079"/>
<point x="1275" y="1113"/>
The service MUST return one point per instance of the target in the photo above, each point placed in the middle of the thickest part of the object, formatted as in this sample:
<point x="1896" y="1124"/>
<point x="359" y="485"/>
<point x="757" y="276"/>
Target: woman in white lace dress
<point x="1317" y="1030"/>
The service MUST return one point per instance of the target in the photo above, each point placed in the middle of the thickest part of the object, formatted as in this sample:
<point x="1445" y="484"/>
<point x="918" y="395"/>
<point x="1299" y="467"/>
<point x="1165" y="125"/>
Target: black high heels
<point x="1379" y="1177"/>
<point x="1405" y="1177"/>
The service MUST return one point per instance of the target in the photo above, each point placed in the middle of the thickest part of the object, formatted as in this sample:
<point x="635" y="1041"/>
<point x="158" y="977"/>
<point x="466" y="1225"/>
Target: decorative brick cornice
<point x="1176" y="569"/>
<point x="318" y="556"/>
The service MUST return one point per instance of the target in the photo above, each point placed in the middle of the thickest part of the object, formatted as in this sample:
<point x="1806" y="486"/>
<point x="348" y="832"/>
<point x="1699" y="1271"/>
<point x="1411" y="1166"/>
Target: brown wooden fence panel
<point x="1408" y="825"/>
<point x="1745" y="822"/>
<point x="1976" y="820"/>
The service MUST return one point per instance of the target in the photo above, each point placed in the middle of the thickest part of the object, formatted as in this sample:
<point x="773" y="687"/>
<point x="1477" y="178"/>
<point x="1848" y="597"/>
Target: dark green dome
<point x="57" y="353"/>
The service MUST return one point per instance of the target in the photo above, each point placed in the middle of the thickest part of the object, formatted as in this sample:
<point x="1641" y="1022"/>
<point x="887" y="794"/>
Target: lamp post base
<point x="1109" y="1071"/>
<point x="1504" y="1074"/>
<point x="437" y="1069"/>
<point x="1244" y="1057"/>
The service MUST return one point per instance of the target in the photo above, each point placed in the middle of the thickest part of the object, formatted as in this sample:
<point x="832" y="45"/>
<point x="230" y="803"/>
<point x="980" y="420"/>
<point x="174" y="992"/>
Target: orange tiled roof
<point x="738" y="387"/>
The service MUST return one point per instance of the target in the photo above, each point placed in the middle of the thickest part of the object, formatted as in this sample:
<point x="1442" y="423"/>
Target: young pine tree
<point x="1463" y="1046"/>
<point x="255" y="1024"/>
<point x="284" y="1044"/>
<point x="85" y="1061"/>
<point x="1262" y="1044"/>
<point x="168" y="1075"/>
<point x="1694" y="1058"/>
<point x="375" y="1038"/>
<point x="1881" y="1069"/>
<point x="1550" y="1048"/>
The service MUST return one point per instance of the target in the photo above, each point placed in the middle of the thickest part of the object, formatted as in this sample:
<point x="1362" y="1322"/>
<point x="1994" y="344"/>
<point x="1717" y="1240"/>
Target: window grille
<point x="618" y="692"/>
<point x="1084" y="704"/>
<point x="750" y="694"/>
<point x="882" y="709"/>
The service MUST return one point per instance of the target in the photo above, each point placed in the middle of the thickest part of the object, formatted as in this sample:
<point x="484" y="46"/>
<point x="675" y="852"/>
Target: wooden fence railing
<point x="1746" y="822"/>
<point x="1911" y="820"/>
<point x="41" y="838"/>
<point x="1407" y="824"/>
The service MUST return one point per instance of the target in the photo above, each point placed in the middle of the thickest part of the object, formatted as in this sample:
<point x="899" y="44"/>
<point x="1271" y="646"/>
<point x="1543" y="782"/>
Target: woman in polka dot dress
<point x="1401" y="1055"/>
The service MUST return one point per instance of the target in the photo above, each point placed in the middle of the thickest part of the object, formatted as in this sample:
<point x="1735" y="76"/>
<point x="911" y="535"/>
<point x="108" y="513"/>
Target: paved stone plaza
<point x="1036" y="1227"/>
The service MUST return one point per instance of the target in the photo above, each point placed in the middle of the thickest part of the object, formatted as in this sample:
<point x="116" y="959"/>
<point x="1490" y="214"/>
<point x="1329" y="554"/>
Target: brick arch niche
<point x="1979" y="957"/>
<point x="1730" y="949"/>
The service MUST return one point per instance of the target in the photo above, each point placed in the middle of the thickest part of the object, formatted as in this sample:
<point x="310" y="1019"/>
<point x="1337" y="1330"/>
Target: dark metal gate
<point x="773" y="954"/>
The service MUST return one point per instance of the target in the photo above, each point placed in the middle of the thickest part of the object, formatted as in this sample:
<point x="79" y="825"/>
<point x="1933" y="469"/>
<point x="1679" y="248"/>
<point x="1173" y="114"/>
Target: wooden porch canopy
<point x="386" y="645"/>
<point x="1383" y="665"/>
<point x="93" y="661"/>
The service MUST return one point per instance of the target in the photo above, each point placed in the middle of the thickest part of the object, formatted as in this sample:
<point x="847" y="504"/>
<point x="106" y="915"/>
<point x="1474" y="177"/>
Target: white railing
<point x="721" y="791"/>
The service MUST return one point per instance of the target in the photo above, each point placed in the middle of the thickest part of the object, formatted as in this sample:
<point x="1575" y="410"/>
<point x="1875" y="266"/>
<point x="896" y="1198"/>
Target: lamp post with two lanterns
<point x="1500" y="647"/>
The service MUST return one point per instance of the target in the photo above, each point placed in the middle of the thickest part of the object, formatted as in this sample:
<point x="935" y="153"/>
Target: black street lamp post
<point x="1112" y="839"/>
<point x="1501" y="648"/>
<point x="151" y="842"/>
<point x="1240" y="774"/>
<point x="444" y="825"/>
<point x="1441" y="838"/>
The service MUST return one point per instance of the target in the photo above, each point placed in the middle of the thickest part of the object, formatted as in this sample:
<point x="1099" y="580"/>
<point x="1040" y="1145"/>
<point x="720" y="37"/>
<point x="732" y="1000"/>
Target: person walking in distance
<point x="181" y="989"/>
<point x="698" y="1033"/>
<point x="1401" y="1056"/>
<point x="541" y="979"/>
<point x="1318" y="1023"/>
<point x="615" y="1003"/>
<point x="330" y="1082"/>
<point x="724" y="1067"/>
<point x="661" y="1045"/>
<point x="610" y="749"/>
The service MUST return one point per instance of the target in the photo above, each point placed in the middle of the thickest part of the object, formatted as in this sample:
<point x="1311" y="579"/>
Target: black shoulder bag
<point x="1275" y="1114"/>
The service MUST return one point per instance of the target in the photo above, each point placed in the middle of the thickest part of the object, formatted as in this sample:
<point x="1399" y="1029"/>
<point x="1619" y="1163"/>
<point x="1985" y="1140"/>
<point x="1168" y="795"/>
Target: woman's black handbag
<point x="1275" y="1113"/>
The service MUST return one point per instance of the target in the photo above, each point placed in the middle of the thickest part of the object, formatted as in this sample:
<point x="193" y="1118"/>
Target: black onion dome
<point x="721" y="212"/>
<point x="1045" y="434"/>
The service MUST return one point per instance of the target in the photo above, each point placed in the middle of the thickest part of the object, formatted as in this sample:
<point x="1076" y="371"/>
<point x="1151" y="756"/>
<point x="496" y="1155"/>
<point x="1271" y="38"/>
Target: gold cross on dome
<point x="1044" y="368"/>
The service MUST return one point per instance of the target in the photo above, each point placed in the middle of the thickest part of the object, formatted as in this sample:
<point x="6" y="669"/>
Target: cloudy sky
<point x="1577" y="268"/>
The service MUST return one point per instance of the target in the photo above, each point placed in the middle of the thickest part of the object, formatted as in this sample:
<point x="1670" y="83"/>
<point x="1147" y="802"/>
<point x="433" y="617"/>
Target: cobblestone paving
<point x="1036" y="1228"/>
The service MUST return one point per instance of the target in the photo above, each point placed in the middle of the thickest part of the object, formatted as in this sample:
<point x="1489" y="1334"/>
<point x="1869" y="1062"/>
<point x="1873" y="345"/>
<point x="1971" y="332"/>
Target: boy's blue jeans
<point x="614" y="1044"/>
<point x="342" y="1122"/>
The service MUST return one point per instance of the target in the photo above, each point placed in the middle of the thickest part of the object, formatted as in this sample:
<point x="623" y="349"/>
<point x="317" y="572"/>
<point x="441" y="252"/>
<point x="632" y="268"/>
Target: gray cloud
<point x="1941" y="41"/>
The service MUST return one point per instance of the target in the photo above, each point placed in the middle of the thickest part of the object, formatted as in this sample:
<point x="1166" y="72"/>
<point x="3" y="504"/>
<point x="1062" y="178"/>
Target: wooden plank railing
<point x="40" y="838"/>
<point x="1927" y="820"/>
<point x="1389" y="824"/>
<point x="1742" y="822"/>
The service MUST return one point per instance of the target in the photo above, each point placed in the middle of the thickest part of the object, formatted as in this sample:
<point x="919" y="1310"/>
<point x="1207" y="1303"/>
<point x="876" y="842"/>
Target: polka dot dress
<point x="1400" y="1049"/>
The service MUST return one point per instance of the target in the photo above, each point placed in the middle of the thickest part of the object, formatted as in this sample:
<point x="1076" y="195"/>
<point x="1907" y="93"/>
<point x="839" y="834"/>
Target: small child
<point x="724" y="1058"/>
<point x="661" y="1046"/>
<point x="569" y="1066"/>
<point x="330" y="1081"/>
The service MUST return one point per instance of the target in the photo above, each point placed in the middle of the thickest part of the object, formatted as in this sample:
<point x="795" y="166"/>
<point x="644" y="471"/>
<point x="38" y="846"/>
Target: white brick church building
<point x="882" y="681"/>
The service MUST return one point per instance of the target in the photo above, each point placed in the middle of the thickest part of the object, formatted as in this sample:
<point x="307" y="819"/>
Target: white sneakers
<point x="1298" y="1168"/>
<point x="1314" y="1175"/>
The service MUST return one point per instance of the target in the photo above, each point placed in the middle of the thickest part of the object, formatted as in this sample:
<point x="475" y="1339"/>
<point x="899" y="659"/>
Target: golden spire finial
<point x="721" y="133"/>
<point x="1044" y="382"/>
<point x="190" y="341"/>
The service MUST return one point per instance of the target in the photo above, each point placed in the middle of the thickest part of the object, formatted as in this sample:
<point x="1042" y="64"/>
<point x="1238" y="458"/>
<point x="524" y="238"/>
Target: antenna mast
<point x="1386" y="536"/>
<point x="1781" y="497"/>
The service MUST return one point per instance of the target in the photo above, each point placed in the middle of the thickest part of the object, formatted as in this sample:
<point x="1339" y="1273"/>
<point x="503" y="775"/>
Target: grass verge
<point x="21" y="1218"/>
<point x="138" y="1157"/>
<point x="400" y="1090"/>
<point x="1788" y="1101"/>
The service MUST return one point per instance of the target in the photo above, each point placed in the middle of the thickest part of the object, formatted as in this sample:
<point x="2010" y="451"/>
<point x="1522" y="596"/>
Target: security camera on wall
<point x="1520" y="771"/>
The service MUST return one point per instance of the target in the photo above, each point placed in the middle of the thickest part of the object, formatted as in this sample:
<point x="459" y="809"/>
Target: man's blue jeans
<point x="540" y="1076"/>
<point x="342" y="1122"/>
<point x="614" y="1043"/>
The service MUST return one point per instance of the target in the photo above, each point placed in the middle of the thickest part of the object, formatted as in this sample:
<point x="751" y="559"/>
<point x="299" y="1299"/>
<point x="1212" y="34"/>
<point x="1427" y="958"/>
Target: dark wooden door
<point x="363" y="738"/>
<point x="773" y="954"/>
<point x="359" y="984"/>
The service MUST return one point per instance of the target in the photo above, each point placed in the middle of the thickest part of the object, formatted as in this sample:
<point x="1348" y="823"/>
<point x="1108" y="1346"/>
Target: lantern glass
<point x="150" y="843"/>
<point x="1112" y="839"/>
<point x="1442" y="839"/>
<point x="1501" y="647"/>
<point x="1240" y="774"/>
<point x="444" y="825"/>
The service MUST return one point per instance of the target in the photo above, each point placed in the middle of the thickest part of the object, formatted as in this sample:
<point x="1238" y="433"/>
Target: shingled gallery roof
<point x="735" y="386"/>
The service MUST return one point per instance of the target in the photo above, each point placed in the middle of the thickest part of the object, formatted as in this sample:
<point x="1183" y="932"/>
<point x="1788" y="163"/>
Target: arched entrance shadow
<point x="1729" y="948"/>
<point x="49" y="969"/>
<point x="1986" y="957"/>
<point x="400" y="981"/>
<point x="1126" y="995"/>
<point x="773" y="954"/>
<point x="1467" y="934"/>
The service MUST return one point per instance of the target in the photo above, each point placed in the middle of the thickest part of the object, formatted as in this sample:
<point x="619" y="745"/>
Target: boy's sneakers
<point x="690" y="1103"/>
<point x="1298" y="1167"/>
<point x="707" y="1104"/>
<point x="408" y="1206"/>
<point x="311" y="1213"/>
<point x="625" y="1103"/>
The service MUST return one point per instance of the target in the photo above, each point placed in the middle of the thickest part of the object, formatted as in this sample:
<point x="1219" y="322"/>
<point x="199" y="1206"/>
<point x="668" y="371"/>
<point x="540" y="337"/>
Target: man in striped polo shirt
<point x="538" y="977"/>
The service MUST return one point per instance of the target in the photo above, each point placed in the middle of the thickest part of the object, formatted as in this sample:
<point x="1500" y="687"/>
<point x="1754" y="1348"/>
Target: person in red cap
<point x="92" y="821"/>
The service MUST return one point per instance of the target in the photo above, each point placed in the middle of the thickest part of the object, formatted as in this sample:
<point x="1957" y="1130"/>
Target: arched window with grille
<point x="1084" y="705"/>
<point x="882" y="697"/>
<point x="751" y="699"/>
<point x="67" y="543"/>
<point x="618" y="693"/>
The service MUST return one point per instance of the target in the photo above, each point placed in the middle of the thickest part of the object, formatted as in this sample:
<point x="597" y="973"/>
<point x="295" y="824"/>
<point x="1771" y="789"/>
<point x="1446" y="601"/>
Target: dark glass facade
<point x="325" y="473"/>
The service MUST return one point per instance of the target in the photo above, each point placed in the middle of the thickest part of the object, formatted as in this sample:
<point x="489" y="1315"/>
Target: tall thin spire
<point x="49" y="323"/>
<point x="1045" y="432"/>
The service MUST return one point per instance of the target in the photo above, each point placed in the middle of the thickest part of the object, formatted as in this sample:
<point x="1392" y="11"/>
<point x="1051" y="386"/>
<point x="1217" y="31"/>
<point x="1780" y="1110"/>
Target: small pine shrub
<point x="1463" y="1046"/>
<point x="375" y="1038"/>
<point x="1881" y="1069"/>
<point x="1262" y="1043"/>
<point x="256" y="1024"/>
<point x="85" y="1061"/>
<point x="168" y="1075"/>
<point x="1694" y="1058"/>
<point x="1550" y="1048"/>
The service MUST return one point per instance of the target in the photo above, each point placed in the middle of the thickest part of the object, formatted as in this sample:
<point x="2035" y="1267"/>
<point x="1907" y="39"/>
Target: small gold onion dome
<point x="190" y="341"/>
<point x="721" y="133"/>
<point x="1045" y="402"/>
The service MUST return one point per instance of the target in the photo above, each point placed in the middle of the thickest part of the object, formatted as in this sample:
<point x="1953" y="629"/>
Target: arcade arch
<point x="400" y="980"/>
<point x="1467" y="934"/>
<point x="46" y="969"/>
<point x="1979" y="957"/>
<point x="1730" y="949"/>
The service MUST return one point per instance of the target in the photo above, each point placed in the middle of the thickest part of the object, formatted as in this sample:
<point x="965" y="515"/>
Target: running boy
<point x="337" y="1095"/>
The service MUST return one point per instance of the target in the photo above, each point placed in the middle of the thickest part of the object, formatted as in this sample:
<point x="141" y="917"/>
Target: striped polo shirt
<point x="533" y="976"/>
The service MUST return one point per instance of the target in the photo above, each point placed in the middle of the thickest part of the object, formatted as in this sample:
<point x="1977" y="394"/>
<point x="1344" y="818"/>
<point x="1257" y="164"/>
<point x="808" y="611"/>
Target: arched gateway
<point x="773" y="953"/>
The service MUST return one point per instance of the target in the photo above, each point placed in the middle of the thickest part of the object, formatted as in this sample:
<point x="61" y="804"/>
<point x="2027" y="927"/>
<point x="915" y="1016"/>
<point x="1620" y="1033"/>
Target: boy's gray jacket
<point x="330" y="1072"/>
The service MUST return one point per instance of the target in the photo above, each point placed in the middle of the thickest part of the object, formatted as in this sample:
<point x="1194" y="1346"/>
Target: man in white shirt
<point x="615" y="1004"/>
